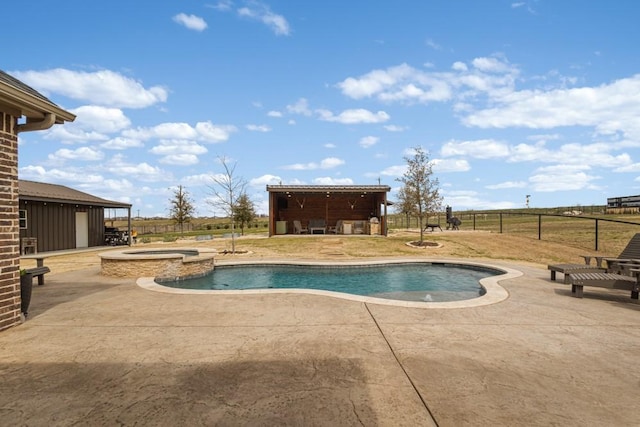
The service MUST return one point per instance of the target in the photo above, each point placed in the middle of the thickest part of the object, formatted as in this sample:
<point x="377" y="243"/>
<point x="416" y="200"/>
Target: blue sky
<point x="510" y="98"/>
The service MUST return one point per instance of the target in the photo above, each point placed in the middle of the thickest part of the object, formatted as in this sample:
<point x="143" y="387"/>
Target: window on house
<point x="23" y="218"/>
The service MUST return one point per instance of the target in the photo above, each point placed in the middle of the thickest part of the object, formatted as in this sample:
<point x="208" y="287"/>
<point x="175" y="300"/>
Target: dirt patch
<point x="424" y="244"/>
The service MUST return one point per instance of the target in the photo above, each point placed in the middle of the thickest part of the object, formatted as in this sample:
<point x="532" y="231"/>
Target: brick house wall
<point x="9" y="227"/>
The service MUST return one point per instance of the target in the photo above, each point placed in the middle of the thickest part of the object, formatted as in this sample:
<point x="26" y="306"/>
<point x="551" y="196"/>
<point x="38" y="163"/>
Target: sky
<point x="510" y="99"/>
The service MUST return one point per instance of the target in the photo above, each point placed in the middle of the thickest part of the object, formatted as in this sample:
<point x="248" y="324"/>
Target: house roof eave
<point x="29" y="102"/>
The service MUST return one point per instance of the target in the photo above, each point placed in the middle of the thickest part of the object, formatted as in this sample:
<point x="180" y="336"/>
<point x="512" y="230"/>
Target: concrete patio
<point x="101" y="351"/>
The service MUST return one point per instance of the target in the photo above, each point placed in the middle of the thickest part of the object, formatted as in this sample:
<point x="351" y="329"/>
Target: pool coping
<point x="494" y="292"/>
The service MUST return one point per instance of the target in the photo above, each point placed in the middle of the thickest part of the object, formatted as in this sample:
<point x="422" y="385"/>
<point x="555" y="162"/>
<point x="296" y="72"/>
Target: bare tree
<point x="226" y="191"/>
<point x="182" y="209"/>
<point x="420" y="187"/>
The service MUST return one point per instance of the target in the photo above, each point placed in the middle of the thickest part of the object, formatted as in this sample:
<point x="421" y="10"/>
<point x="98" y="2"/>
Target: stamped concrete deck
<point x="101" y="351"/>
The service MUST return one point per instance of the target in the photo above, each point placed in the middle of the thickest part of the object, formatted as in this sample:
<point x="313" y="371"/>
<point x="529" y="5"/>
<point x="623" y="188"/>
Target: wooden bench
<point x="432" y="227"/>
<point x="568" y="269"/>
<point x="38" y="272"/>
<point x="605" y="280"/>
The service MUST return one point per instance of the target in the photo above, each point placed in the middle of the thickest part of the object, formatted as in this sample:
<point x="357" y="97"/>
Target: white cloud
<point x="481" y="149"/>
<point x="300" y="107"/>
<point x="82" y="153"/>
<point x="177" y="147"/>
<point x="354" y="116"/>
<point x="100" y="119"/>
<point x="264" y="180"/>
<point x="634" y="167"/>
<point x="183" y="159"/>
<point x="191" y="22"/>
<point x="214" y="133"/>
<point x="222" y="5"/>
<point x="328" y="163"/>
<point x="471" y="200"/>
<point x="395" y="128"/>
<point x="104" y="87"/>
<point x="450" y="165"/>
<point x="117" y="165"/>
<point x="459" y="66"/>
<point x="260" y="12"/>
<point x="608" y="108"/>
<point x="70" y="135"/>
<point x="121" y="143"/>
<point x="396" y="171"/>
<point x="562" y="178"/>
<point x="507" y="184"/>
<point x="203" y="131"/>
<point x="492" y="65"/>
<point x="332" y="181"/>
<point x="399" y="83"/>
<point x="274" y="114"/>
<point x="491" y="76"/>
<point x="38" y="173"/>
<point x="368" y="141"/>
<point x="433" y="45"/>
<point x="258" y="128"/>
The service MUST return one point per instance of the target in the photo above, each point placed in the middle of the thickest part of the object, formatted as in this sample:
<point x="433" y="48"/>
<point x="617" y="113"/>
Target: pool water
<point x="406" y="281"/>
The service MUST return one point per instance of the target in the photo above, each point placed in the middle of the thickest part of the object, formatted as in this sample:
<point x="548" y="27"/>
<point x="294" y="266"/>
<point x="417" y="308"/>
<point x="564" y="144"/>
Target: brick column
<point x="9" y="225"/>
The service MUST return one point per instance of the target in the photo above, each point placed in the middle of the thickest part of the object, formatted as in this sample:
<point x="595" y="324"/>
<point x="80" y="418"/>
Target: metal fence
<point x="599" y="234"/>
<point x="593" y="233"/>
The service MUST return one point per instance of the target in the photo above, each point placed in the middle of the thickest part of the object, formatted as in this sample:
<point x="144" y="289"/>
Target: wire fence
<point x="593" y="233"/>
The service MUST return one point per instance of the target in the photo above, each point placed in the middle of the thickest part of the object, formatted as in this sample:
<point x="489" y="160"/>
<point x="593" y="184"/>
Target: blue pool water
<point x="406" y="281"/>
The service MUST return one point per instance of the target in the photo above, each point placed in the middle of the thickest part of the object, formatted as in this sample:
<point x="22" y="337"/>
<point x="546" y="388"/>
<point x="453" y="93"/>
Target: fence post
<point x="500" y="222"/>
<point x="539" y="227"/>
<point x="596" y="234"/>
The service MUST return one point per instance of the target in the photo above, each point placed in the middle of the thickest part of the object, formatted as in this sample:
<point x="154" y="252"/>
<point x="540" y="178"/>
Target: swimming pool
<point x="408" y="281"/>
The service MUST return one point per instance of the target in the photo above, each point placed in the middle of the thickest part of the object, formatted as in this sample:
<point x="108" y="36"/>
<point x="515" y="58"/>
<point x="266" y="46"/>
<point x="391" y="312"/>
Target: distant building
<point x="339" y="209"/>
<point x="54" y="217"/>
<point x="627" y="204"/>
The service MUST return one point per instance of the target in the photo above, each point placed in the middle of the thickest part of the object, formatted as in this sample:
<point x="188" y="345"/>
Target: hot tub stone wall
<point x="162" y="268"/>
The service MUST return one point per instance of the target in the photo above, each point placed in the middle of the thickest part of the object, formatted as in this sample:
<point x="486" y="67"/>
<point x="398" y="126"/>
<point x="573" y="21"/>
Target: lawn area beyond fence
<point x="605" y="235"/>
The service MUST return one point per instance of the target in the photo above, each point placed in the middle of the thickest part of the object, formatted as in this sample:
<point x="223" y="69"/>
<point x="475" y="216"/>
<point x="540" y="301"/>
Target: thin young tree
<point x="182" y="209"/>
<point x="226" y="190"/>
<point x="404" y="206"/>
<point x="421" y="187"/>
<point x="245" y="211"/>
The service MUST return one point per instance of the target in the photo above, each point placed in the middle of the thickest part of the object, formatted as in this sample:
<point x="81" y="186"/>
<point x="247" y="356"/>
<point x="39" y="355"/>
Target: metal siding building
<point x="62" y="218"/>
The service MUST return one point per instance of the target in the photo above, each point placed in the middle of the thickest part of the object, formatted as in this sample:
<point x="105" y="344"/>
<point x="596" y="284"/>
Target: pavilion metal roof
<point x="42" y="192"/>
<point x="328" y="188"/>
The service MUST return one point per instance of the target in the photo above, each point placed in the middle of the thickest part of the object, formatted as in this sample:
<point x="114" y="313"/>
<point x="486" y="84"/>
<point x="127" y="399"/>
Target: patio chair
<point x="612" y="265"/>
<point x="298" y="228"/>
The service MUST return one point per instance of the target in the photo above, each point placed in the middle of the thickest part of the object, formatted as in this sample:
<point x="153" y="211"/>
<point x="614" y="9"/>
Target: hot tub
<point x="166" y="264"/>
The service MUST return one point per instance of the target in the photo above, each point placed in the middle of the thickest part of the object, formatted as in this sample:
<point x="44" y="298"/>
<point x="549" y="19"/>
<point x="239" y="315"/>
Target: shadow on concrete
<point x="62" y="288"/>
<point x="288" y="392"/>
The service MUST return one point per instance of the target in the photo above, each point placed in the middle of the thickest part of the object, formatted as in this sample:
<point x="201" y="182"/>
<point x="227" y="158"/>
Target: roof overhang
<point x="309" y="189"/>
<point x="30" y="103"/>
